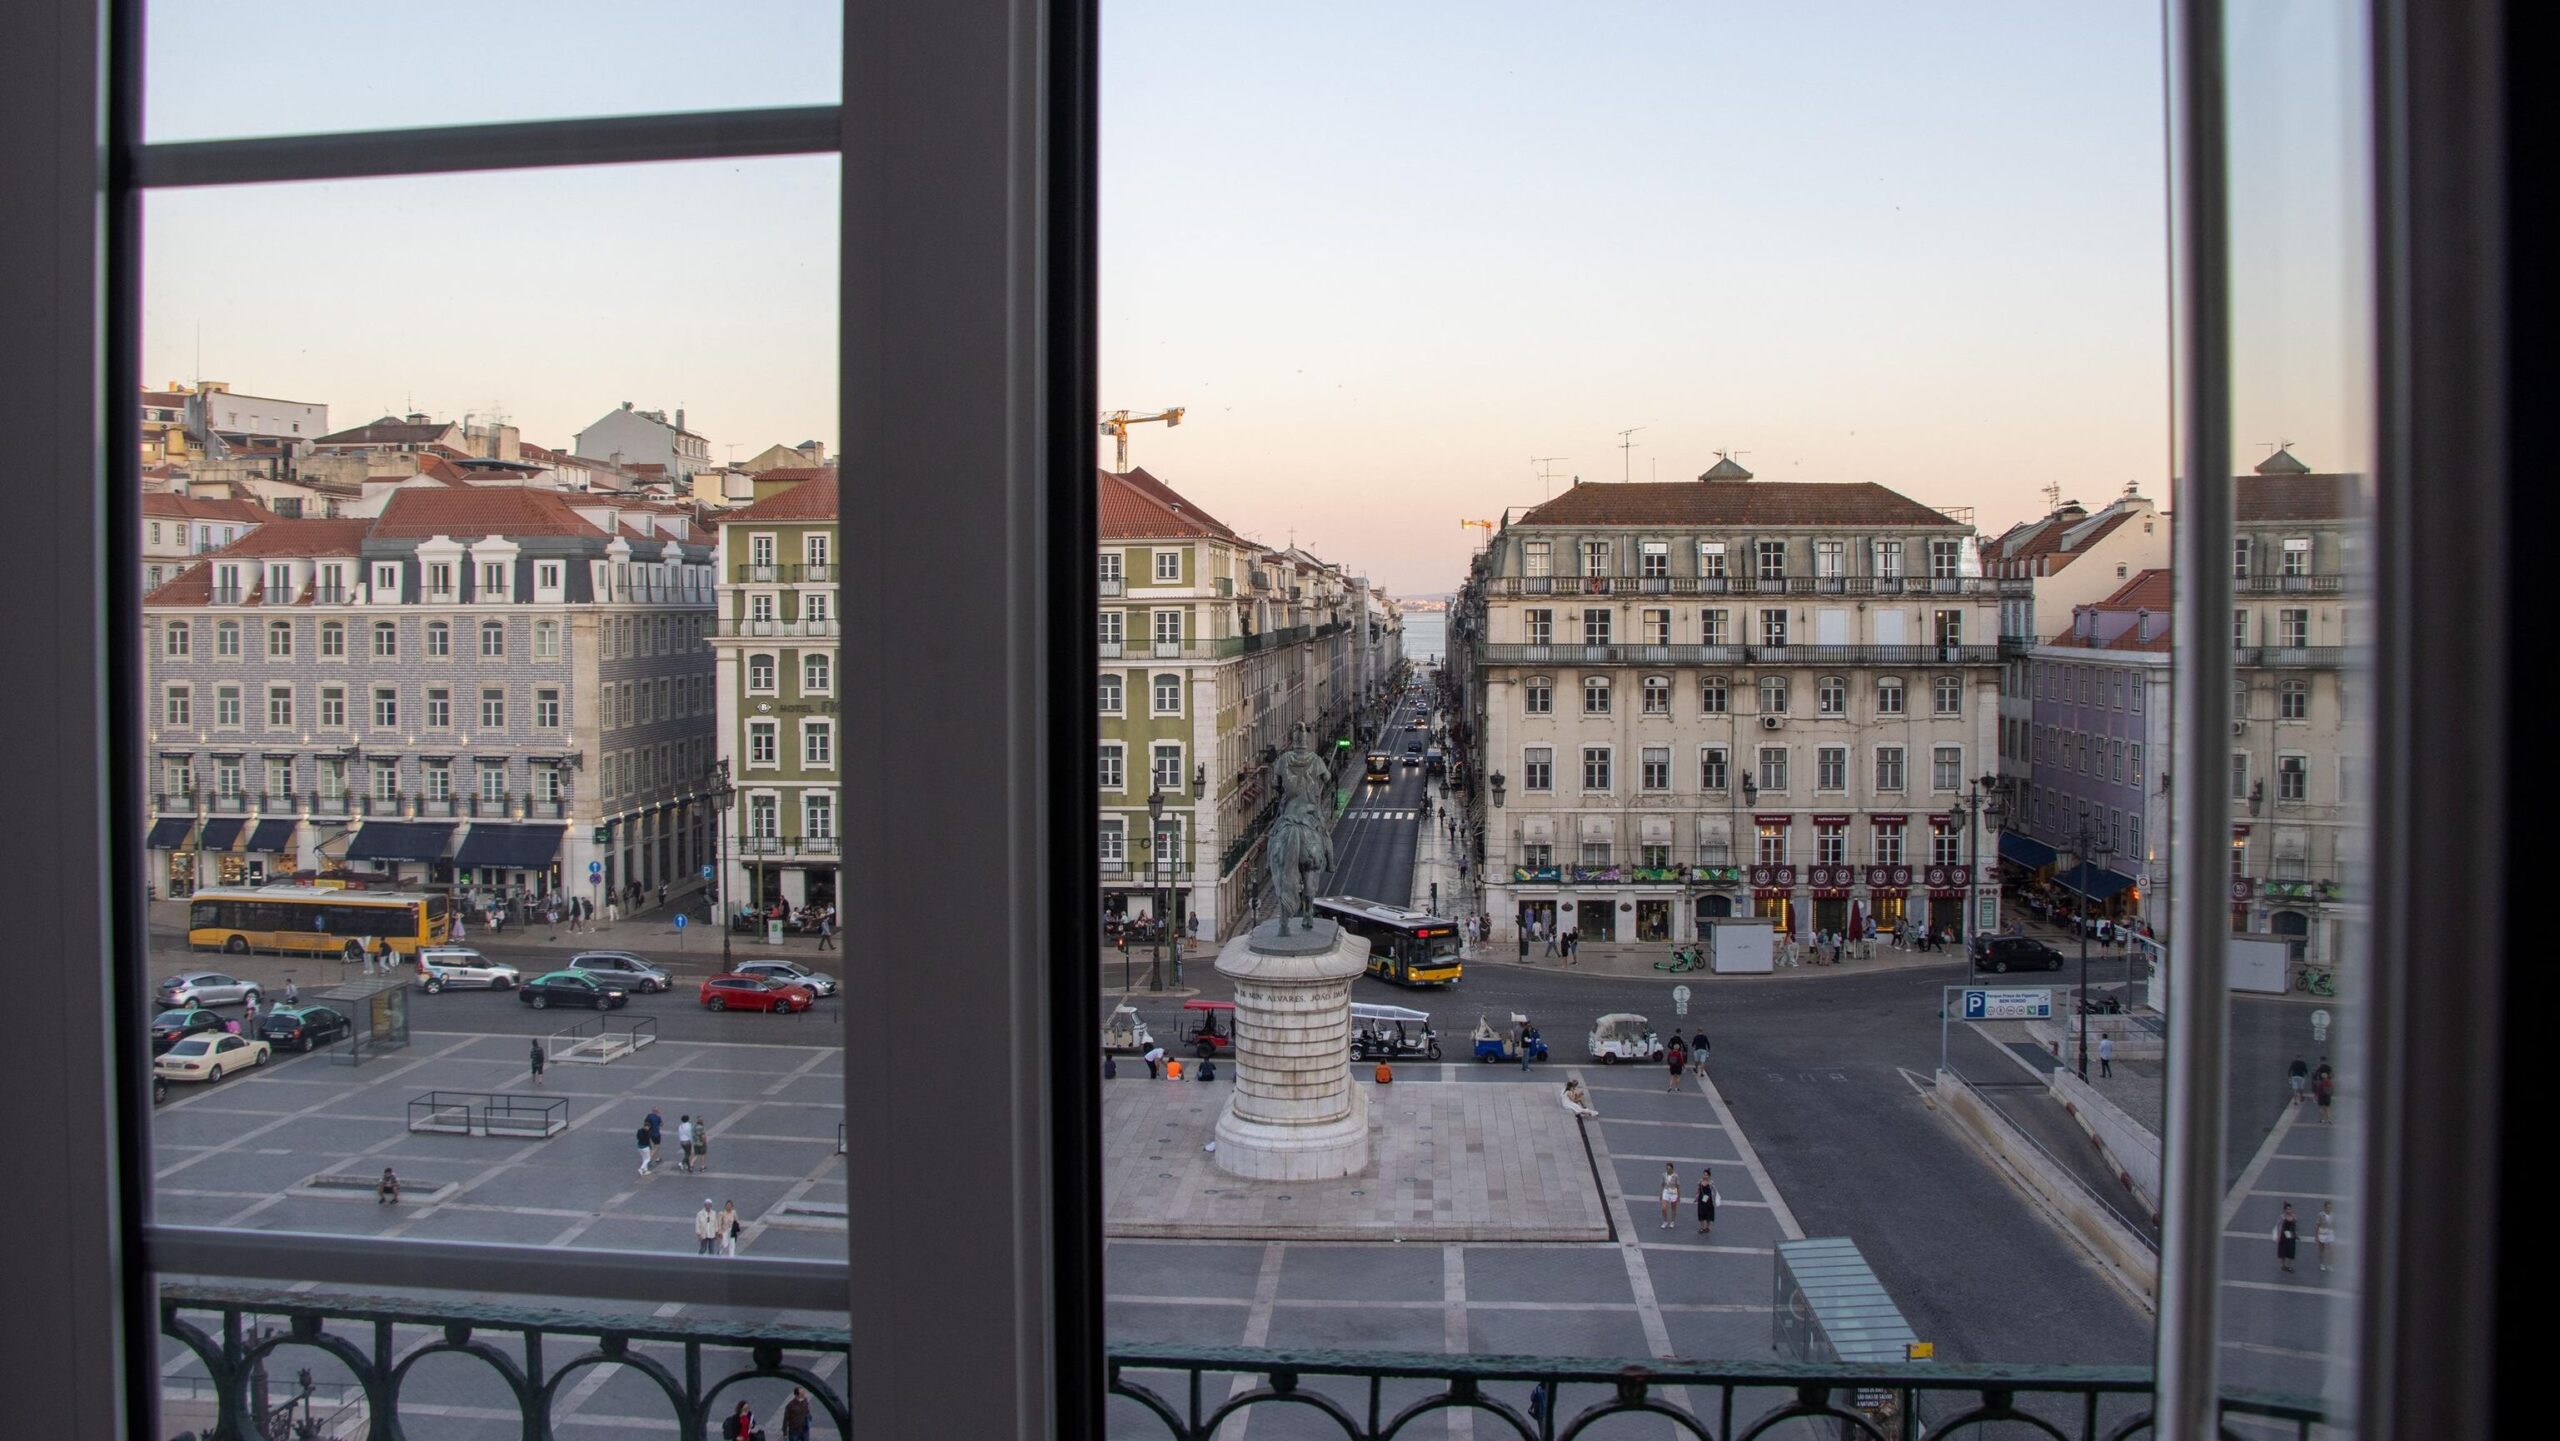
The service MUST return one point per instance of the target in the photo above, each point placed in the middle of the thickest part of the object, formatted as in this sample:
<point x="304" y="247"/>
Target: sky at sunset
<point x="1383" y="255"/>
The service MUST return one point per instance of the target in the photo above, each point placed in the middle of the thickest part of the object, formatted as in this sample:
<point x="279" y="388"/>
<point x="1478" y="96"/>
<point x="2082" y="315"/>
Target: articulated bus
<point x="314" y="920"/>
<point x="1410" y="948"/>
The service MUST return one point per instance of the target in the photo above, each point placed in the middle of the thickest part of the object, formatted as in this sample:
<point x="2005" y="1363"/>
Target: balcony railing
<point x="229" y="595"/>
<point x="232" y="1338"/>
<point x="2287" y="584"/>
<point x="805" y="626"/>
<point x="1788" y="655"/>
<point x="1863" y="585"/>
<point x="2312" y="657"/>
<point x="818" y="572"/>
<point x="1113" y="585"/>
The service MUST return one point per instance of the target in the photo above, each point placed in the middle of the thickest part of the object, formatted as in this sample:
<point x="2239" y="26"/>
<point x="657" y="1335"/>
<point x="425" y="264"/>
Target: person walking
<point x="702" y="1143"/>
<point x="741" y="1425"/>
<point x="2325" y="1232"/>
<point x="826" y="931"/>
<point x="706" y="1230"/>
<point x="2287" y="1237"/>
<point x="1547" y="935"/>
<point x="642" y="1135"/>
<point x="2324" y="1089"/>
<point x="2106" y="1055"/>
<point x="795" y="1416"/>
<point x="1676" y="1059"/>
<point x="537" y="1062"/>
<point x="1670" y="1194"/>
<point x="292" y="996"/>
<point x="2296" y="1077"/>
<point x="1706" y="1199"/>
<point x="364" y="952"/>
<point x="1524" y="947"/>
<point x="657" y="1133"/>
<point x="1698" y="1051"/>
<point x="730" y="1229"/>
<point x="684" y="1143"/>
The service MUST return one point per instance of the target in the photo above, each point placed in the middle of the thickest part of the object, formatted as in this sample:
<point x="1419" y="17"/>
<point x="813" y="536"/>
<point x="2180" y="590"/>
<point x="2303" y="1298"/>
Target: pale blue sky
<point x="1383" y="254"/>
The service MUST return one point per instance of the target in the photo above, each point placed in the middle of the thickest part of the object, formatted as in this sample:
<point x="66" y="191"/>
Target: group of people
<point x="1558" y="942"/>
<point x="797" y="1413"/>
<point x="2320" y="1085"/>
<point x="693" y="1134"/>
<point x="1706" y="1197"/>
<point x="716" y="1233"/>
<point x="1677" y="1056"/>
<point x="1162" y="1066"/>
<point x="2324" y="1234"/>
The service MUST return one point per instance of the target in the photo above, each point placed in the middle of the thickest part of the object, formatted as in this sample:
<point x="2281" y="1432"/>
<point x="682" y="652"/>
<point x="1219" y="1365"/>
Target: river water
<point x="1426" y="636"/>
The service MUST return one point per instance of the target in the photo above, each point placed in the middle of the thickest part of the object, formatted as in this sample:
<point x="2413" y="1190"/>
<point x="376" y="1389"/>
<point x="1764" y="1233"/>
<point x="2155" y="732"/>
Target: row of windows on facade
<point x="1166" y="694"/>
<point x="2072" y="821"/>
<point x="630" y="703"/>
<point x="624" y="637"/>
<point x="766" y="605"/>
<point x="1772" y="769"/>
<point x="1830" y="695"/>
<point x="631" y="771"/>
<point x="332" y="581"/>
<point x="2292" y="556"/>
<point x="1168" y="566"/>
<point x="817" y="547"/>
<point x="1771" y="847"/>
<point x="1715" y="626"/>
<point x="1167" y="850"/>
<point x="1166" y="627"/>
<point x="1715" y="558"/>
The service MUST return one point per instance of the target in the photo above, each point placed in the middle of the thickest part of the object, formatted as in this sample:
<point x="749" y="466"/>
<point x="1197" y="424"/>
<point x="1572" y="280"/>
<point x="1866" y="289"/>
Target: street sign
<point x="1919" y="1350"/>
<point x="2320" y="1025"/>
<point x="594" y="879"/>
<point x="595" y="868"/>
<point x="2008" y="1005"/>
<point x="679" y="920"/>
<point x="1679" y="1000"/>
<point x="600" y="834"/>
<point x="706" y="873"/>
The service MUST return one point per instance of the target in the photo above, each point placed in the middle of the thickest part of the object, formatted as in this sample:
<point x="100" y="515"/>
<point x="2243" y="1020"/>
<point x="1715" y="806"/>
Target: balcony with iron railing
<point x="232" y="1343"/>
<point x="2288" y="584"/>
<point x="815" y="572"/>
<point x="2291" y="657"/>
<point x="1739" y="655"/>
<point x="777" y="627"/>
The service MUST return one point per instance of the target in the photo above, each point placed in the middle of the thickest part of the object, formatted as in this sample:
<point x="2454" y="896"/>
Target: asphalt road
<point x="1373" y="842"/>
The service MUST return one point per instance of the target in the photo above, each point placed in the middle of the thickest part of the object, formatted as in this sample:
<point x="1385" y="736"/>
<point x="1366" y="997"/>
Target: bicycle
<point x="2315" y="980"/>
<point x="1682" y="959"/>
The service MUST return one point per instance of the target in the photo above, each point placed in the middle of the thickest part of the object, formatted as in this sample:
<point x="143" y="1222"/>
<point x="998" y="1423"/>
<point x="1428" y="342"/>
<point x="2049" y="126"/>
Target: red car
<point x="734" y="992"/>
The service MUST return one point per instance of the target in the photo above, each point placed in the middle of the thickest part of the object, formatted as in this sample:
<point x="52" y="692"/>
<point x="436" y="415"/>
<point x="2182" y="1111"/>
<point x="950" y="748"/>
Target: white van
<point x="442" y="966"/>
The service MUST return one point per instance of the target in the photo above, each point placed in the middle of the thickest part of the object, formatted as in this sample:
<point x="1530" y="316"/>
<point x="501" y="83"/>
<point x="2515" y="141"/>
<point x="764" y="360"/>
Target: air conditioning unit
<point x="2239" y="724"/>
<point x="1772" y="722"/>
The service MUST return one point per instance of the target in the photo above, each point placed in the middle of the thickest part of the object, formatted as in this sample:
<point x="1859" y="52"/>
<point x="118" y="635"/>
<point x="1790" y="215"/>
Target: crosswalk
<point x="1367" y="813"/>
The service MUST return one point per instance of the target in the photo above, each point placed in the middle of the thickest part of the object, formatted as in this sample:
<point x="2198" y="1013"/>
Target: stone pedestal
<point x="1294" y="1114"/>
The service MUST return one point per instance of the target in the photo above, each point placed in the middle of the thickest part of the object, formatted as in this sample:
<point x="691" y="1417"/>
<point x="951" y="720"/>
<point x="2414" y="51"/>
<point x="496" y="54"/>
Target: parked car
<point x="621" y="968"/>
<point x="443" y="966"/>
<point x="734" y="992"/>
<point x="207" y="1058"/>
<point x="304" y="1027"/>
<point x="170" y="1027"/>
<point x="572" y="988"/>
<point x="2014" y="953"/>
<point x="791" y="974"/>
<point x="206" y="988"/>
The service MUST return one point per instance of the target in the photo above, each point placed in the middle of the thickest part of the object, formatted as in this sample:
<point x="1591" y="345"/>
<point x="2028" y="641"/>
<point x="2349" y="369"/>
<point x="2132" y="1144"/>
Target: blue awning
<point x="271" y="836"/>
<point x="2095" y="883"/>
<point x="220" y="832"/>
<point x="401" y="841"/>
<point x="2019" y="850"/>
<point x="515" y="847"/>
<point x="168" y="833"/>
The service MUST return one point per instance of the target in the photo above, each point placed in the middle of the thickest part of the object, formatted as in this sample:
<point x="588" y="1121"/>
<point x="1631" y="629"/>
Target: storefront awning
<point x="401" y="841"/>
<point x="270" y="837"/>
<point x="2026" y="851"/>
<point x="2096" y="884"/>
<point x="220" y="832"/>
<point x="168" y="833"/>
<point x="516" y="847"/>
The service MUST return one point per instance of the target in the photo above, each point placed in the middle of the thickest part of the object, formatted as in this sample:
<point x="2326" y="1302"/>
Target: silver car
<point x="621" y="968"/>
<point x="460" y="966"/>
<point x="205" y="988"/>
<point x="788" y="973"/>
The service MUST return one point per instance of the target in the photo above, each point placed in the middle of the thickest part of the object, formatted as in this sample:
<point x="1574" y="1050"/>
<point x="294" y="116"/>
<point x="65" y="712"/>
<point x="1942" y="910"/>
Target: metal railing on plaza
<point x="373" y="1347"/>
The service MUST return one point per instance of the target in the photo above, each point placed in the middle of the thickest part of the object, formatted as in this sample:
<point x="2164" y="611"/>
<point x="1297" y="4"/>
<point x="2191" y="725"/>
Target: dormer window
<point x="1711" y="559"/>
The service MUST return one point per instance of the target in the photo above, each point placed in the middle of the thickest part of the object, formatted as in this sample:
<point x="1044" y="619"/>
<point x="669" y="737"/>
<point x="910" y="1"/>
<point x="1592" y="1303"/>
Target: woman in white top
<point x="1576" y="1101"/>
<point x="2325" y="1231"/>
<point x="1670" y="1194"/>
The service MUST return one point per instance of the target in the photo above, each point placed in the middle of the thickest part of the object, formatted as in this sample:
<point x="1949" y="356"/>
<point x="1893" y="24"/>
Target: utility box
<point x="2261" y="963"/>
<point x="1740" y="946"/>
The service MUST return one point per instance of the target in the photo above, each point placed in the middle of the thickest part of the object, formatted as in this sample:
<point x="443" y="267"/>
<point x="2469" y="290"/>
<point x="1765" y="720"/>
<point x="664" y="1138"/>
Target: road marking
<point x="2285" y="1286"/>
<point x="2257" y="1166"/>
<point x="1685" y="1125"/>
<point x="1751" y="1162"/>
<point x="1257" y="1332"/>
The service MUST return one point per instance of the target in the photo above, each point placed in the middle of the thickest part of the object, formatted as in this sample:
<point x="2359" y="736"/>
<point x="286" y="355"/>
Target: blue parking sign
<point x="706" y="873"/>
<point x="1976" y="1004"/>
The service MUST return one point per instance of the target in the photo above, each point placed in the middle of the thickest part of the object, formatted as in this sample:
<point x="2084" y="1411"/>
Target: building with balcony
<point x="1731" y="697"/>
<point x="2090" y="820"/>
<point x="178" y="528"/>
<point x="776" y="642"/>
<point x="1212" y="648"/>
<point x="504" y="689"/>
<point x="2299" y="822"/>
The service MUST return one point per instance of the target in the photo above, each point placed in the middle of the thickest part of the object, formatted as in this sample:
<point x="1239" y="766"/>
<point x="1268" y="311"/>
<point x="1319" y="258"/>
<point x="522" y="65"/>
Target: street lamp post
<point x="2085" y="846"/>
<point x="721" y="791"/>
<point x="1980" y="803"/>
<point x="1155" y="862"/>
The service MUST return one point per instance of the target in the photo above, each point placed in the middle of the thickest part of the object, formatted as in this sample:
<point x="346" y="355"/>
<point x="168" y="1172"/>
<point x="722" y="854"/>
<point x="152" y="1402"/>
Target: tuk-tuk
<point x="1493" y="1045"/>
<point x="1391" y="1033"/>
<point x="1125" y="1034"/>
<point x="1624" y="1036"/>
<point x="1209" y="1027"/>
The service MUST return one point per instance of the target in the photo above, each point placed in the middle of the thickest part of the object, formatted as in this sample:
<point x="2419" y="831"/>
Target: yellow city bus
<point x="1410" y="948"/>
<point x="314" y="920"/>
<point x="1381" y="768"/>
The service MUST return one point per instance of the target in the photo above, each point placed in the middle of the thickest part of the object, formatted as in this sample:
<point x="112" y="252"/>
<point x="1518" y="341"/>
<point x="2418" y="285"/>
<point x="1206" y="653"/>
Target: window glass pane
<point x="614" y="59"/>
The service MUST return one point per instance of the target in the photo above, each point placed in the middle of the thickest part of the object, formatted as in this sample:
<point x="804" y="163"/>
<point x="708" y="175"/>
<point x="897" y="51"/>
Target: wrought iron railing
<point x="701" y="1367"/>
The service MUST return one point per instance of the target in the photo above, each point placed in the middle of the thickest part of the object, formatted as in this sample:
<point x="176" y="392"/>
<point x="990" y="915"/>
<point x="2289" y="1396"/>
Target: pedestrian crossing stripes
<point x="1363" y="813"/>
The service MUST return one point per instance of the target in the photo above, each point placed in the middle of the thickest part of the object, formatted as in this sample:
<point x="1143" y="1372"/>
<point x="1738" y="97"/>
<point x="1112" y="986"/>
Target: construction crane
<point x="1116" y="423"/>
<point x="1484" y="525"/>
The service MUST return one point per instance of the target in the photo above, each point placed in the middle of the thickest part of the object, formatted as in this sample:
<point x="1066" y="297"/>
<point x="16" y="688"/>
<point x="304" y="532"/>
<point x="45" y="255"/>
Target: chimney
<point x="679" y="417"/>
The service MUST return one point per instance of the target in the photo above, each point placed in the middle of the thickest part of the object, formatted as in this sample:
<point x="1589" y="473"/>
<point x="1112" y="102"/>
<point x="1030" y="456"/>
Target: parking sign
<point x="2008" y="1005"/>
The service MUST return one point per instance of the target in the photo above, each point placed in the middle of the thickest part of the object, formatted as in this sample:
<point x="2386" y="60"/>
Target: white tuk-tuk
<point x="1124" y="1034"/>
<point x="1624" y="1036"/>
<point x="1391" y="1033"/>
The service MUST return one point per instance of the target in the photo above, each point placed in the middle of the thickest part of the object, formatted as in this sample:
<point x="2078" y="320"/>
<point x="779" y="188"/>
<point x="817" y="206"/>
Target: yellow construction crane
<point x="1484" y="525"/>
<point x="1116" y="423"/>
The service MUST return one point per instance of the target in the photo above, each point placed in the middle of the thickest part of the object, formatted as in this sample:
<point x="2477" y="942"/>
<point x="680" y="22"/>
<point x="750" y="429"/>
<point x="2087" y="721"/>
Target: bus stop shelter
<point x="1829" y="1308"/>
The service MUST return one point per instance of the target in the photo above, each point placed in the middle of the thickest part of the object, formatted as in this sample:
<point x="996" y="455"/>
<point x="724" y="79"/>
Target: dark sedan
<point x="170" y="1027"/>
<point x="571" y="988"/>
<point x="301" y="1028"/>
<point x="2014" y="953"/>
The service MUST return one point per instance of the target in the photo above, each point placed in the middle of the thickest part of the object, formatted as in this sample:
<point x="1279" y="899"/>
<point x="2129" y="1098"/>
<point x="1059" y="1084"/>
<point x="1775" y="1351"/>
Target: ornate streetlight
<point x="1155" y="860"/>
<point x="2086" y="845"/>
<point x="1981" y="802"/>
<point x="720" y="793"/>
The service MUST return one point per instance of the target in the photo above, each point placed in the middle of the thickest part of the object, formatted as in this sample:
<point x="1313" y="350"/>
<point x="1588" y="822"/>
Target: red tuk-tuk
<point x="1209" y="1027"/>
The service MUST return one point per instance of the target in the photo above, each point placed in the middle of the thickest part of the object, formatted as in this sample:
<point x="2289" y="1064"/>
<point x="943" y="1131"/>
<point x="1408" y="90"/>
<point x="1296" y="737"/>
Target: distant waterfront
<point x="1426" y="636"/>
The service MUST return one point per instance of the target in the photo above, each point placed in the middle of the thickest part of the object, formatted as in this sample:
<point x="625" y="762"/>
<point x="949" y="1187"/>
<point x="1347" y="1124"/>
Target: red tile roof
<point x="163" y="505"/>
<point x="480" y="510"/>
<point x="813" y="498"/>
<point x="1735" y="503"/>
<point x="1137" y="506"/>
<point x="2280" y="497"/>
<point x="2150" y="590"/>
<point x="389" y="430"/>
<point x="2040" y="549"/>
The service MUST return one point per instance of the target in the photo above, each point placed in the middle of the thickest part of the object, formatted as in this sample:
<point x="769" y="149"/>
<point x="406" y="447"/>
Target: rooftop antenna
<point x="2052" y="496"/>
<point x="1547" y="477"/>
<point x="1626" y="449"/>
